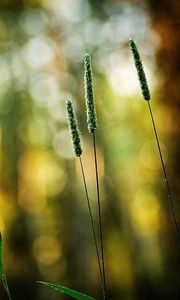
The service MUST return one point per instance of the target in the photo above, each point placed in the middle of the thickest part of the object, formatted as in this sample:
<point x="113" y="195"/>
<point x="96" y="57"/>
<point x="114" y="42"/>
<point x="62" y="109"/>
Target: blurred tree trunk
<point x="166" y="21"/>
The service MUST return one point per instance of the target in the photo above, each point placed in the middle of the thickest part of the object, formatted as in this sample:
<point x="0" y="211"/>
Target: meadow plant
<point x="146" y="96"/>
<point x="92" y="125"/>
<point x="76" y="142"/>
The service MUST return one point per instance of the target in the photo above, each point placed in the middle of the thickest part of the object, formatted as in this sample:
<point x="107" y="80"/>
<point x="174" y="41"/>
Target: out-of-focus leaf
<point x="72" y="293"/>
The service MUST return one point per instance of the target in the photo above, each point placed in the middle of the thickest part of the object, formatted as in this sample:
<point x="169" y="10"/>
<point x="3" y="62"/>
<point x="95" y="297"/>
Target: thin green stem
<point x="5" y="284"/>
<point x="164" y="173"/>
<point x="93" y="227"/>
<point x="99" y="212"/>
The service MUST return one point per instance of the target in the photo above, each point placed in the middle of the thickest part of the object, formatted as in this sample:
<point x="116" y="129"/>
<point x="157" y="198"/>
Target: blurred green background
<point x="43" y="213"/>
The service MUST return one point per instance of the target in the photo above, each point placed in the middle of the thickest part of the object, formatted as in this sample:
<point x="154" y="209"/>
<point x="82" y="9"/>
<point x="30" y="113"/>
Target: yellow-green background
<point x="43" y="212"/>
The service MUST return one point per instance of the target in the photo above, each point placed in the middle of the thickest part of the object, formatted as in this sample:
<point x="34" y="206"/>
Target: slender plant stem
<point x="165" y="173"/>
<point x="5" y="284"/>
<point x="93" y="228"/>
<point x="99" y="212"/>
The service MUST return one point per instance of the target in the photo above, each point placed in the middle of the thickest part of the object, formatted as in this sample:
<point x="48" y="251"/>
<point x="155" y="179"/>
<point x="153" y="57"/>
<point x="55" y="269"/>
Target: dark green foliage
<point x="72" y="293"/>
<point x="73" y="129"/>
<point x="140" y="70"/>
<point x="89" y="95"/>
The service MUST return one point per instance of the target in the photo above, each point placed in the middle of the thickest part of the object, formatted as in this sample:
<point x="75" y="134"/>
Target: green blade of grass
<point x="2" y="273"/>
<point x="1" y="264"/>
<point x="72" y="293"/>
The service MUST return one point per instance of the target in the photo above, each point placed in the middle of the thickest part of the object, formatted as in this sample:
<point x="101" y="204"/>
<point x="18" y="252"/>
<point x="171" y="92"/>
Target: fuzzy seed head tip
<point x="87" y="56"/>
<point x="89" y="95"/>
<point x="73" y="128"/>
<point x="140" y="70"/>
<point x="131" y="41"/>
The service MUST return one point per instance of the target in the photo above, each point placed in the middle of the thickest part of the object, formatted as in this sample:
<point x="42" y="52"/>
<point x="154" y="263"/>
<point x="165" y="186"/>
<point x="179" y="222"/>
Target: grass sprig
<point x="92" y="125"/>
<point x="146" y="95"/>
<point x="75" y="137"/>
<point x="67" y="291"/>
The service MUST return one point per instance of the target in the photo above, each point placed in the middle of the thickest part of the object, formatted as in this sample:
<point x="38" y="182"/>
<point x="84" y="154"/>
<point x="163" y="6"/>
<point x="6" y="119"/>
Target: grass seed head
<point x="73" y="129"/>
<point x="89" y="95"/>
<point x="140" y="70"/>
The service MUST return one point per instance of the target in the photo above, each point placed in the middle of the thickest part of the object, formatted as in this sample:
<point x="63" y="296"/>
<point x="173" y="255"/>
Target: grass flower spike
<point x="140" y="70"/>
<point x="73" y="129"/>
<point x="89" y="95"/>
<point x="92" y="125"/>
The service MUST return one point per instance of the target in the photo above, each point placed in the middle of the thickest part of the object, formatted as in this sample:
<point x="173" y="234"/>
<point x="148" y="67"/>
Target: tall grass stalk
<point x="147" y="97"/>
<point x="93" y="227"/>
<point x="75" y="136"/>
<point x="99" y="213"/>
<point x="92" y="125"/>
<point x="164" y="172"/>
